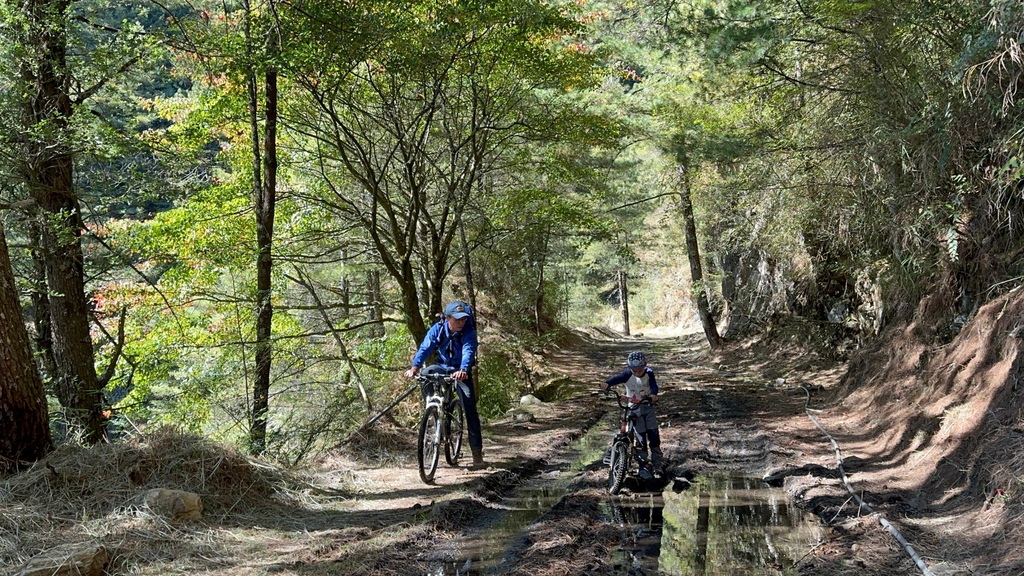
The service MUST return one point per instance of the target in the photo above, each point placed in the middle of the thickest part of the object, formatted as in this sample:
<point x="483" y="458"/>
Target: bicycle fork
<point x="439" y="426"/>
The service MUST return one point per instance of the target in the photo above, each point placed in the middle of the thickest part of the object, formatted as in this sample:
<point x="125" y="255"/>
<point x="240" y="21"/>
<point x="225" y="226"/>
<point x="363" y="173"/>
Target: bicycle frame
<point x="627" y="427"/>
<point x="447" y="385"/>
<point x="442" y="424"/>
<point x="625" y="444"/>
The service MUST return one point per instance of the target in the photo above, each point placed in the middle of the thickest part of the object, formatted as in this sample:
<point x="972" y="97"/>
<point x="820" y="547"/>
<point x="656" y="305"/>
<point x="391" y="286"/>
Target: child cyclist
<point x="640" y="383"/>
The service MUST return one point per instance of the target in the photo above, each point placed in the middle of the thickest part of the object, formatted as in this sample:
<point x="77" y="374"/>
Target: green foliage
<point x="500" y="385"/>
<point x="464" y="118"/>
<point x="842" y="143"/>
<point x="852" y="115"/>
<point x="322" y="405"/>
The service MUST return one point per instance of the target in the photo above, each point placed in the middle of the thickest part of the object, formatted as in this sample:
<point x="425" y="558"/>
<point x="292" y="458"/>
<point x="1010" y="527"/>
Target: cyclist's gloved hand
<point x="460" y="375"/>
<point x="412" y="372"/>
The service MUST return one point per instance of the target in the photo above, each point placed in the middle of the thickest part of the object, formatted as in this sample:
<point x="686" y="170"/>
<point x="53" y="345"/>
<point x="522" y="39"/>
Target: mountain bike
<point x="625" y="445"/>
<point x="442" y="424"/>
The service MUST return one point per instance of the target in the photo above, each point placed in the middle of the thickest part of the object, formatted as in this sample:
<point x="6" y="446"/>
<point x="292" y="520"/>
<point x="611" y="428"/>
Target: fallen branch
<point x="846" y="482"/>
<point x="382" y="412"/>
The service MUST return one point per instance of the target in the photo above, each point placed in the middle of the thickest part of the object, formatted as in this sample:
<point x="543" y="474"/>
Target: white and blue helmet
<point x="636" y="360"/>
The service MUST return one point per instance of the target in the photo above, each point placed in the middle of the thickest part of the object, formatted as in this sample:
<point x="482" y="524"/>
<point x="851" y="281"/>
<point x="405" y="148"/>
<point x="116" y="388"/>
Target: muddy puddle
<point x="483" y="552"/>
<point x="720" y="524"/>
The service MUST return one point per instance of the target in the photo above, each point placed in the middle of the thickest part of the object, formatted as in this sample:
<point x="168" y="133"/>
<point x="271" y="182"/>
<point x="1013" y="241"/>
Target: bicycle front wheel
<point x="428" y="450"/>
<point x="619" y="465"/>
<point x="456" y="422"/>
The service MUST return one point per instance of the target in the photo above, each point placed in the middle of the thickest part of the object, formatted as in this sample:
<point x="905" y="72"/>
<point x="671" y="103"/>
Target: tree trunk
<point x="435" y="282"/>
<point x="375" y="315"/>
<point x="23" y="415"/>
<point x="698" y="285"/>
<point x="411" y="307"/>
<point x="265" y="190"/>
<point x="265" y="208"/>
<point x="346" y="298"/>
<point x="538" y="297"/>
<point x="43" y="327"/>
<point x="468" y="265"/>
<point x="49" y="168"/>
<point x="344" y="291"/>
<point x="471" y="290"/>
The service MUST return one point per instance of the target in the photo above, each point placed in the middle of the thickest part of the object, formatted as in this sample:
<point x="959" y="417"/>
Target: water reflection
<point x="482" y="552"/>
<point x="733" y="525"/>
<point x="454" y="569"/>
<point x="722" y="525"/>
<point x="642" y="520"/>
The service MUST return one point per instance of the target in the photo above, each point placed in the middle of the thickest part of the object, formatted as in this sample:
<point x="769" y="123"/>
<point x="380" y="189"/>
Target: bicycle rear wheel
<point x="428" y="450"/>
<point x="456" y="421"/>
<point x="619" y="465"/>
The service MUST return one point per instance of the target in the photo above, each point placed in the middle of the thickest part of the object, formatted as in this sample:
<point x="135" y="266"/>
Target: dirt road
<point x="744" y="467"/>
<point x="730" y="415"/>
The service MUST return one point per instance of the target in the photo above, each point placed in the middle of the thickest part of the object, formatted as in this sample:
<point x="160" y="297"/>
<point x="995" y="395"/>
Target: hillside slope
<point x="936" y="432"/>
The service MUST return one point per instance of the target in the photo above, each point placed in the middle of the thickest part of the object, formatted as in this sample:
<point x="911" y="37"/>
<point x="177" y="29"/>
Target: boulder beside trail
<point x="91" y="560"/>
<point x="174" y="504"/>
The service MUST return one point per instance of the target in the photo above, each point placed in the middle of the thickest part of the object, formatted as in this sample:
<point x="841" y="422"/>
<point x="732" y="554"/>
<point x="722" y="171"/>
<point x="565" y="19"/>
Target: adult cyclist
<point x="454" y="340"/>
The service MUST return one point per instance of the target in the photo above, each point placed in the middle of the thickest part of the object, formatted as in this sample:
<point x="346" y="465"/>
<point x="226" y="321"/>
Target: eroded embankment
<point x="934" y="434"/>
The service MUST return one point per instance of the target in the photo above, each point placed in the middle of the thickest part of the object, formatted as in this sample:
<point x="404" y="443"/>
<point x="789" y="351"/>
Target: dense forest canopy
<point x="240" y="217"/>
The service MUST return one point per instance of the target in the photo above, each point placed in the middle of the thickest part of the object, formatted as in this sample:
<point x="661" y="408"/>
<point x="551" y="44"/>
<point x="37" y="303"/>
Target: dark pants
<point x="646" y="426"/>
<point x="467" y="393"/>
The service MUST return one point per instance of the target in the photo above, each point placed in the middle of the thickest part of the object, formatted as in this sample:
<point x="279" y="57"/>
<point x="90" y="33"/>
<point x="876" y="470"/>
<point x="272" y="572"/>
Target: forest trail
<point x="365" y="511"/>
<point x="730" y="413"/>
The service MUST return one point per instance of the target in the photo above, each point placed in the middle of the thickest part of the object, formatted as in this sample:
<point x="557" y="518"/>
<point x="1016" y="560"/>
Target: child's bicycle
<point x="625" y="445"/>
<point x="442" y="424"/>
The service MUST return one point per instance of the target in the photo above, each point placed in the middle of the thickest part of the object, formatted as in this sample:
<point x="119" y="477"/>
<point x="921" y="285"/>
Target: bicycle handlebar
<point x="628" y="404"/>
<point x="436" y="377"/>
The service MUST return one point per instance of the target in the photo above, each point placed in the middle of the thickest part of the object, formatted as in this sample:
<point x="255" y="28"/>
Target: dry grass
<point x="380" y="446"/>
<point x="962" y="405"/>
<point x="75" y="481"/>
<point x="256" y="518"/>
<point x="575" y="539"/>
<point x="1005" y="496"/>
<point x="79" y="495"/>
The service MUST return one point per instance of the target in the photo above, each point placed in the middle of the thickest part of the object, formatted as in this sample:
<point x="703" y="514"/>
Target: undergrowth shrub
<point x="499" y="383"/>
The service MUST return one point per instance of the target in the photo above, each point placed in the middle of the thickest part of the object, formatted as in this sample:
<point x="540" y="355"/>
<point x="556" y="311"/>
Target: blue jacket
<point x="454" y="351"/>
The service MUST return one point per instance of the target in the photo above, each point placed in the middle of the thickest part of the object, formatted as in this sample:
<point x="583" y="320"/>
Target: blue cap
<point x="457" y="310"/>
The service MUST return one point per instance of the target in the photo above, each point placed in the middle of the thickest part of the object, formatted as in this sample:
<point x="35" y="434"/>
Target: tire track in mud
<point x="725" y="428"/>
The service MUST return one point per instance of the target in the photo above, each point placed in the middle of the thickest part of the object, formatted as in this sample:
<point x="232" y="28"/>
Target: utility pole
<point x="624" y="301"/>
